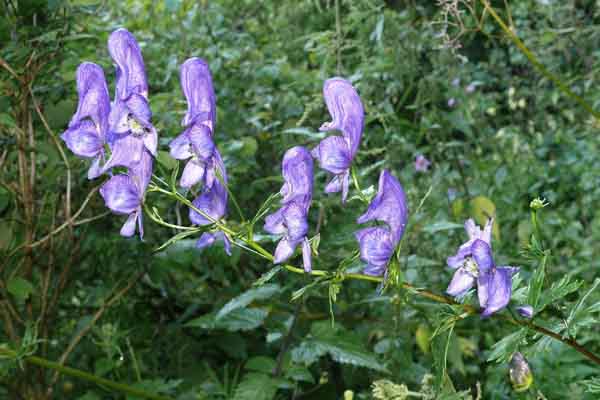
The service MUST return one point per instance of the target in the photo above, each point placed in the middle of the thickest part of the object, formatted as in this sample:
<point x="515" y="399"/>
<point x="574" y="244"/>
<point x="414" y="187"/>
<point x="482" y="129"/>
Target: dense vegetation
<point x="505" y="114"/>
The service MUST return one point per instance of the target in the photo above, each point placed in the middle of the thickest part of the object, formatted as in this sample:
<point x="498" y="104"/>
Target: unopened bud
<point x="538" y="203"/>
<point x="520" y="374"/>
<point x="348" y="395"/>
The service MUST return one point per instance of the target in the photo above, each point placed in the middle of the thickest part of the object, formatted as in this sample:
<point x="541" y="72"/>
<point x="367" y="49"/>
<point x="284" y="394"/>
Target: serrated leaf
<point x="20" y="288"/>
<point x="256" y="293"/>
<point x="557" y="291"/>
<point x="256" y="386"/>
<point x="338" y="344"/>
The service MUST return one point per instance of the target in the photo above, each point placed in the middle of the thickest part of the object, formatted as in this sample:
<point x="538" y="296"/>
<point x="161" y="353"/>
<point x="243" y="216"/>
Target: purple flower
<point x="377" y="244"/>
<point x="196" y="142"/>
<point x="451" y="102"/>
<point x="88" y="128"/>
<point x="421" y="163"/>
<point x="197" y="86"/>
<point x="290" y="220"/>
<point x="471" y="87"/>
<point x="131" y="129"/>
<point x="474" y="264"/>
<point x="213" y="203"/>
<point x="335" y="153"/>
<point x="525" y="311"/>
<point x="456" y="82"/>
<point x="297" y="171"/>
<point x="520" y="373"/>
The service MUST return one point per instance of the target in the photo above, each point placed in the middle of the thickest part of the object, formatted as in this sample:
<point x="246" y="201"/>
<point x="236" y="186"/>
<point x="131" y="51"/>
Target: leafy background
<point x="192" y="325"/>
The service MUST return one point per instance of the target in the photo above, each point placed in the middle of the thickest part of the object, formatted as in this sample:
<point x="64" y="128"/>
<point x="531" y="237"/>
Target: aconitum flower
<point x="88" y="128"/>
<point x="377" y="244"/>
<point x="290" y="220"/>
<point x="421" y="163"/>
<point x="196" y="142"/>
<point x="131" y="128"/>
<point x="335" y="153"/>
<point x="213" y="203"/>
<point x="124" y="194"/>
<point x="474" y="264"/>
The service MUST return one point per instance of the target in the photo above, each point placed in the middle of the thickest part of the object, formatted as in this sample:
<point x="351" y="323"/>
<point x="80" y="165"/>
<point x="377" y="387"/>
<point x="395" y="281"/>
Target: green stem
<point x="76" y="373"/>
<point x="468" y="309"/>
<point x="536" y="63"/>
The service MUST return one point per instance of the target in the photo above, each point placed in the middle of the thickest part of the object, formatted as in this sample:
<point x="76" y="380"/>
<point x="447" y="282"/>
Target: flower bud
<point x="520" y="374"/>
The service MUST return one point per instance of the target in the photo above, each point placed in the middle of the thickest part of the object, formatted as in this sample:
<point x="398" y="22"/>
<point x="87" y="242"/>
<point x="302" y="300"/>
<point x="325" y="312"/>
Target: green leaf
<point x="256" y="386"/>
<point x="339" y="344"/>
<point x="439" y="349"/>
<point x="165" y="159"/>
<point x="557" y="291"/>
<point x="299" y="373"/>
<point x="261" y="364"/>
<point x="20" y="288"/>
<point x="241" y="319"/>
<point x="536" y="283"/>
<point x="442" y="226"/>
<point x="256" y="293"/>
<point x="267" y="276"/>
<point x="503" y="350"/>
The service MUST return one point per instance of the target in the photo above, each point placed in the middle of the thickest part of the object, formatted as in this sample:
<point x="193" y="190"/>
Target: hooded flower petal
<point x="496" y="289"/>
<point x="346" y="110"/>
<point x="82" y="138"/>
<point x="482" y="254"/>
<point x="389" y="206"/>
<point x="193" y="173"/>
<point x="126" y="152"/>
<point x="121" y="194"/>
<point x="131" y="73"/>
<point x="197" y="86"/>
<point x="181" y="147"/>
<point x="306" y="255"/>
<point x="274" y="223"/>
<point x="294" y="219"/>
<point x="202" y="142"/>
<point x="461" y="282"/>
<point x="475" y="233"/>
<point x="212" y="202"/>
<point x="128" y="228"/>
<point x="376" y="246"/>
<point x="284" y="250"/>
<point x="94" y="100"/>
<point x="297" y="170"/>
<point x="333" y="154"/>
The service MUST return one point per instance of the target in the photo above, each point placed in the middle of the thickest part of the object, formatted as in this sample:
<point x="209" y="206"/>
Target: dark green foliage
<point x="201" y="325"/>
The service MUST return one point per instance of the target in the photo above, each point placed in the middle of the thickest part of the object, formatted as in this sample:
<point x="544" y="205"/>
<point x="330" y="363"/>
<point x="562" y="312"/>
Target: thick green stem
<point x="76" y="373"/>
<point x="536" y="63"/>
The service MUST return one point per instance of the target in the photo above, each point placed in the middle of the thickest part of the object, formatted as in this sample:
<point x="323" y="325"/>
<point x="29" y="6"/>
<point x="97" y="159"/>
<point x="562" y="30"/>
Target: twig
<point x="76" y="373"/>
<point x="75" y="341"/>
<point x="536" y="63"/>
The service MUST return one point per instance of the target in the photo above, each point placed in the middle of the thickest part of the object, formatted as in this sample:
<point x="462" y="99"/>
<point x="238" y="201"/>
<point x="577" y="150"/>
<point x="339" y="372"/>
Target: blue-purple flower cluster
<point x="124" y="127"/>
